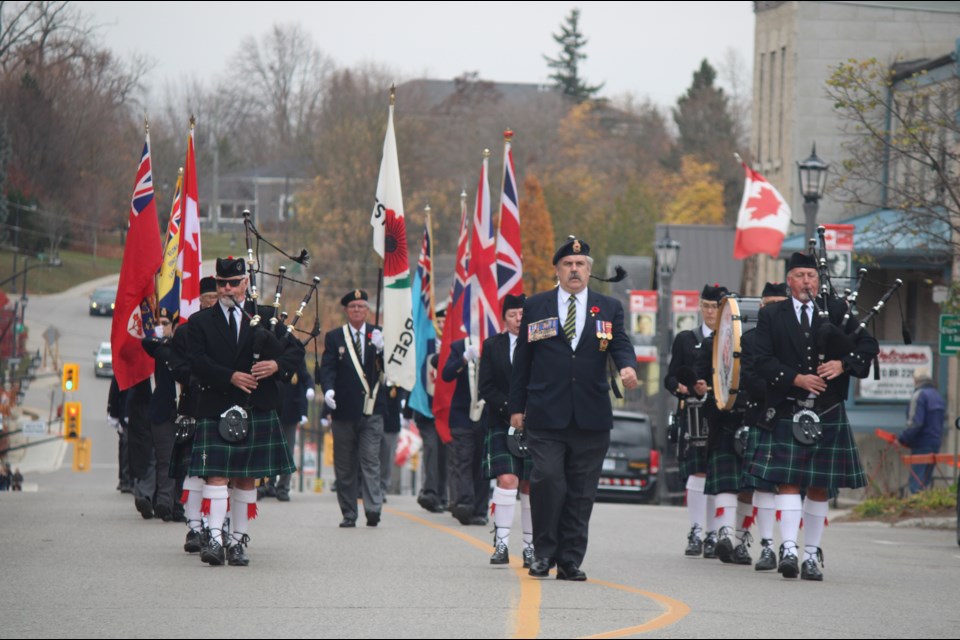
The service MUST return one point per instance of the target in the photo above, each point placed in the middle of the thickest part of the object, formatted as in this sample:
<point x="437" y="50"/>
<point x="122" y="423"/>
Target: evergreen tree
<point x="567" y="65"/>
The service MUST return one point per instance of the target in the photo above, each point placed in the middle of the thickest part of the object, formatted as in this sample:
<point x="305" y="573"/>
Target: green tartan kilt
<point x="724" y="468"/>
<point x="749" y="482"/>
<point x="181" y="458"/>
<point x="692" y="460"/>
<point x="832" y="463"/>
<point x="263" y="453"/>
<point x="497" y="459"/>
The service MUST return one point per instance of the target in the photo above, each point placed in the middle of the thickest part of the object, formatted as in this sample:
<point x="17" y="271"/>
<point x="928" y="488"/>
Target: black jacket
<point x="456" y="369"/>
<point x="338" y="373"/>
<point x="495" y="372"/>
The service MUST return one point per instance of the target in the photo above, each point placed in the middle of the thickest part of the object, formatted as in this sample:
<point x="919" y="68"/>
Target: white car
<point x="103" y="361"/>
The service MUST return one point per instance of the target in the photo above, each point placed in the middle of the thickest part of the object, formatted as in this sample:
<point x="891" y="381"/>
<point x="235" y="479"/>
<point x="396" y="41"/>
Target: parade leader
<point x="560" y="395"/>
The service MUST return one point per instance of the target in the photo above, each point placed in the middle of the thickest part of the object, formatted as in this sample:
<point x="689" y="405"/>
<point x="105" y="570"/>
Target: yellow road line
<point x="526" y="622"/>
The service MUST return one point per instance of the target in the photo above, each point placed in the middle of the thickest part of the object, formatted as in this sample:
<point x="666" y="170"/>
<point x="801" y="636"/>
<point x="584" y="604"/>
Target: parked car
<point x="102" y="301"/>
<point x="103" y="361"/>
<point x="632" y="463"/>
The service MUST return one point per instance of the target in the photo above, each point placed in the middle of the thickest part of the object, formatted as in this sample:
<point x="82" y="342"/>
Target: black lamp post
<point x="668" y="250"/>
<point x="813" y="181"/>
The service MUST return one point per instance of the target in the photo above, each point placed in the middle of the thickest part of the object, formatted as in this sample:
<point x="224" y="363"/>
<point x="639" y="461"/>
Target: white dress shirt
<point x="513" y="345"/>
<point x="226" y="316"/>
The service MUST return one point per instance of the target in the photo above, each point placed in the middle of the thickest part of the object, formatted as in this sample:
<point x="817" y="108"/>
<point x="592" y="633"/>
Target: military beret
<point x="208" y="285"/>
<point x="572" y="247"/>
<point x="512" y="302"/>
<point x="801" y="261"/>
<point x="356" y="294"/>
<point x="713" y="292"/>
<point x="170" y="314"/>
<point x="774" y="290"/>
<point x="231" y="267"/>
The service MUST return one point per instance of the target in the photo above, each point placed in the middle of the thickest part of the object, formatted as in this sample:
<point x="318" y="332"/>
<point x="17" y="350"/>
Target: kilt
<point x="724" y="470"/>
<point x="180" y="460"/>
<point x="497" y="459"/>
<point x="749" y="482"/>
<point x="832" y="463"/>
<point x="692" y="460"/>
<point x="263" y="452"/>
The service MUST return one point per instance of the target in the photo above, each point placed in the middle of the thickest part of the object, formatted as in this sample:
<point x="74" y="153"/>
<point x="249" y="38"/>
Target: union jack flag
<point x="509" y="256"/>
<point x="484" y="312"/>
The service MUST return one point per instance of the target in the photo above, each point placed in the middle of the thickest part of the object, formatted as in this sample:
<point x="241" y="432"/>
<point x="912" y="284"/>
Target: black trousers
<point x="563" y="485"/>
<point x="471" y="489"/>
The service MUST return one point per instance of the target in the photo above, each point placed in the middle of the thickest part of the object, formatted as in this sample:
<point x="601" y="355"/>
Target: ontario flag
<point x="763" y="220"/>
<point x="509" y="257"/>
<point x="133" y="316"/>
<point x="482" y="273"/>
<point x="390" y="242"/>
<point x="190" y="254"/>
<point x="453" y="328"/>
<point x="421" y="397"/>
<point x="168" y="283"/>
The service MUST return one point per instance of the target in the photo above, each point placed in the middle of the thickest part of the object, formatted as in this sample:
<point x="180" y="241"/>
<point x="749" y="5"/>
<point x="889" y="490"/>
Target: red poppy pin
<point x="594" y="311"/>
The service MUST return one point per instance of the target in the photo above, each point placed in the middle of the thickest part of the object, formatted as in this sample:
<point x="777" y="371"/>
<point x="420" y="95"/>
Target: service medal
<point x="603" y="344"/>
<point x="608" y="330"/>
<point x="601" y="332"/>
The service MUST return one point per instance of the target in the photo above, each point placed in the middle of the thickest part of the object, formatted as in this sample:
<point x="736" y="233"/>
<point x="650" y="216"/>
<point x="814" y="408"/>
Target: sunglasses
<point x="233" y="282"/>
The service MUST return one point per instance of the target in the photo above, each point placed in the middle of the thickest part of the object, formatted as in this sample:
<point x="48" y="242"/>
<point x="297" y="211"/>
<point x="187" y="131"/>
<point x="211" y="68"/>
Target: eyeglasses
<point x="709" y="305"/>
<point x="357" y="305"/>
<point x="233" y="282"/>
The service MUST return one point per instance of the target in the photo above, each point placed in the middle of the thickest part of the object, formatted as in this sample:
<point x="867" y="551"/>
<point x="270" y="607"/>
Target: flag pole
<point x="507" y="138"/>
<point x="393" y="101"/>
<point x="432" y="311"/>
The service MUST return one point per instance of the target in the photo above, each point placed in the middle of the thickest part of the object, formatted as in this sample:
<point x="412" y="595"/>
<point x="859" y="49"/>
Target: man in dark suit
<point x="350" y="375"/>
<point x="560" y="396"/>
<point x="470" y="489"/>
<point x="807" y="368"/>
<point x="512" y="472"/>
<point x="238" y="367"/>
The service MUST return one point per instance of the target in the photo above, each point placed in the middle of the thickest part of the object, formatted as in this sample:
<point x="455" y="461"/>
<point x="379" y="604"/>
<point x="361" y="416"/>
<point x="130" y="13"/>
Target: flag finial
<point x="508" y="134"/>
<point x="193" y="121"/>
<point x="486" y="153"/>
<point x="426" y="209"/>
<point x="393" y="94"/>
<point x="180" y="172"/>
<point x="146" y="123"/>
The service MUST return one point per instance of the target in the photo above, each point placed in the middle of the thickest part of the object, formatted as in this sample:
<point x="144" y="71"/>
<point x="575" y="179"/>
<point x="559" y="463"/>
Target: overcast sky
<point x="649" y="49"/>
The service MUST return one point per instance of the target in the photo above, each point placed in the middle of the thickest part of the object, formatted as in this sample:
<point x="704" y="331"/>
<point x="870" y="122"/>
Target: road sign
<point x="949" y="334"/>
<point x="34" y="428"/>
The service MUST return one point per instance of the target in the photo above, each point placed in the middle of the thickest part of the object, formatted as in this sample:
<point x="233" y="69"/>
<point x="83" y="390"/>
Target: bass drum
<point x="726" y="354"/>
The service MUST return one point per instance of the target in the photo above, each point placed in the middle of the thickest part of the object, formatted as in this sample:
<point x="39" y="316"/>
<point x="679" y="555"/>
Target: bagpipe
<point x="269" y="337"/>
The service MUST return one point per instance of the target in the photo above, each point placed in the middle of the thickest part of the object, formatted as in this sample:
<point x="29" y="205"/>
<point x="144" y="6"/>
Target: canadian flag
<point x="763" y="220"/>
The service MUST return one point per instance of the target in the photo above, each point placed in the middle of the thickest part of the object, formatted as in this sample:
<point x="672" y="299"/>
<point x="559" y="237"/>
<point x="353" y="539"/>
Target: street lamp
<point x="668" y="250"/>
<point x="813" y="181"/>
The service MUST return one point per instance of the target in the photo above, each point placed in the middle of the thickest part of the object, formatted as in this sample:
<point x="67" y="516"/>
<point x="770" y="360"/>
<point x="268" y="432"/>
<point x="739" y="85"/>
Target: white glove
<point x="471" y="354"/>
<point x="324" y="423"/>
<point x="328" y="398"/>
<point x="115" y="424"/>
<point x="376" y="339"/>
<point x="303" y="420"/>
<point x="311" y="394"/>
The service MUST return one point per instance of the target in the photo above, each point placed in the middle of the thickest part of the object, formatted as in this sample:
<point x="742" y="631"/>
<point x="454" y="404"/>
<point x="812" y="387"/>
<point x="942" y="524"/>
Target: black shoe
<point x="694" y="543"/>
<point x="126" y="488"/>
<point x="145" y="507"/>
<point x="428" y="502"/>
<point x="527" y="557"/>
<point x="269" y="490"/>
<point x="479" y="520"/>
<point x="178" y="514"/>
<point x="500" y="555"/>
<point x="767" y="560"/>
<point x="539" y="568"/>
<point x="283" y="495"/>
<point x="348" y="523"/>
<point x="789" y="566"/>
<point x="194" y="542"/>
<point x="213" y="554"/>
<point x="163" y="512"/>
<point x="236" y="557"/>
<point x="724" y="548"/>
<point x="373" y="518"/>
<point x="463" y="513"/>
<point x="710" y="545"/>
<point x="437" y="508"/>
<point x="810" y="570"/>
<point x="570" y="571"/>
<point x="741" y="554"/>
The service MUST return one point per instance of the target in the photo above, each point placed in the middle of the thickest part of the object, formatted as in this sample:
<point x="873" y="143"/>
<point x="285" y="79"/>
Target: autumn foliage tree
<point x="537" y="239"/>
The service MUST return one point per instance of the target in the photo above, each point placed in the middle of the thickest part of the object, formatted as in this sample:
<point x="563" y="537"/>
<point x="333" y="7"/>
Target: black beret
<point x="170" y="314"/>
<point x="356" y="294"/>
<point x="571" y="247"/>
<point x="771" y="290"/>
<point x="512" y="302"/>
<point x="231" y="267"/>
<point x="208" y="285"/>
<point x="801" y="261"/>
<point x="713" y="292"/>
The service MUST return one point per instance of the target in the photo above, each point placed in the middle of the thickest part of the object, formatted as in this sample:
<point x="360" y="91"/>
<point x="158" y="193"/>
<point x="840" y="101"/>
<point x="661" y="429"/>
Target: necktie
<point x="570" y="324"/>
<point x="233" y="325"/>
<point x="357" y="347"/>
<point x="804" y="321"/>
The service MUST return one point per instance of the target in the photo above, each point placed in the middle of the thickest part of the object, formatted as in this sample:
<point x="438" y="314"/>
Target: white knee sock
<point x="193" y="488"/>
<point x="744" y="519"/>
<point x="505" y="502"/>
<point x="791" y="509"/>
<point x="696" y="502"/>
<point x="243" y="509"/>
<point x="711" y="514"/>
<point x="526" y="520"/>
<point x="216" y="497"/>
<point x="725" y="513"/>
<point x="814" y="519"/>
<point x="765" y="503"/>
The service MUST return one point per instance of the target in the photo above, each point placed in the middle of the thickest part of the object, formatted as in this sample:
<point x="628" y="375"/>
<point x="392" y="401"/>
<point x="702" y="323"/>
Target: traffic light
<point x="71" y="420"/>
<point x="71" y="376"/>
